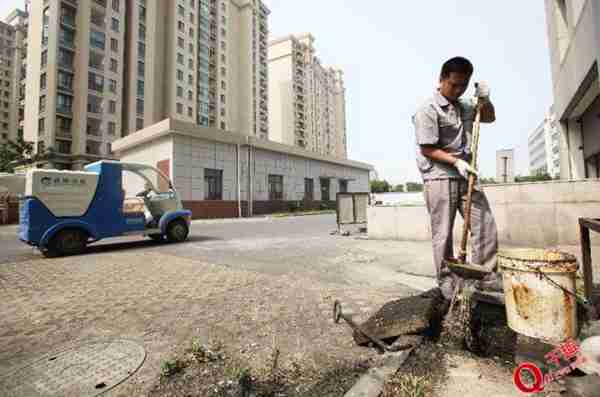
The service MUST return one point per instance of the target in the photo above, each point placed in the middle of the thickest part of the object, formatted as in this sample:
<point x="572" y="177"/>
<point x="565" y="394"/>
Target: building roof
<point x="171" y="127"/>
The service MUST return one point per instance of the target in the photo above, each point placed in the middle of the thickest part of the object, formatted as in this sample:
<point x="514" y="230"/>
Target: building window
<point x="141" y="50"/>
<point x="64" y="103"/>
<point x="324" y="189"/>
<point x="139" y="107"/>
<point x="190" y="79"/>
<point x="180" y="58"/>
<point x="96" y="60"/>
<point x="43" y="81"/>
<point x="67" y="38"/>
<point x="94" y="104"/>
<point x="139" y="124"/>
<point x="97" y="40"/>
<point x="180" y="42"/>
<point x="343" y="186"/>
<point x="116" y="5"/>
<point x="112" y="107"/>
<point x="42" y="103"/>
<point x="92" y="147"/>
<point x="181" y="10"/>
<point x="93" y="127"/>
<point x="95" y="82"/>
<point x="213" y="184"/>
<point x="44" y="58"/>
<point x="140" y="88"/>
<point x="179" y="108"/>
<point x="190" y="112"/>
<point x="179" y="75"/>
<point x="223" y="126"/>
<point x="115" y="24"/>
<point x="112" y="128"/>
<point x="142" y="32"/>
<point x="309" y="189"/>
<point x="65" y="81"/>
<point x="114" y="45"/>
<point x="63" y="126"/>
<point x="112" y="86"/>
<point x="64" y="147"/>
<point x="141" y="69"/>
<point x="114" y="65"/>
<point x="65" y="58"/>
<point x="41" y="125"/>
<point x="190" y="96"/>
<point x="181" y="26"/>
<point x="275" y="187"/>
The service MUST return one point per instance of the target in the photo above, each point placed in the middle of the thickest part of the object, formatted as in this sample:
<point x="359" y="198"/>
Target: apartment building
<point x="574" y="39"/>
<point x="307" y="99"/>
<point x="18" y="20"/>
<point x="544" y="147"/>
<point x="12" y="50"/>
<point x="75" y="78"/>
<point x="102" y="69"/>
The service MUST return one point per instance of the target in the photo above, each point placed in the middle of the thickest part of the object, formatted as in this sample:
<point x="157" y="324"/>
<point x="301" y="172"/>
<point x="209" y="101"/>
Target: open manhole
<point x="85" y="370"/>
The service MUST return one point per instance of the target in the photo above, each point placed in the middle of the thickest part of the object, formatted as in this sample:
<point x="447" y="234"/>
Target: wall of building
<point x="543" y="214"/>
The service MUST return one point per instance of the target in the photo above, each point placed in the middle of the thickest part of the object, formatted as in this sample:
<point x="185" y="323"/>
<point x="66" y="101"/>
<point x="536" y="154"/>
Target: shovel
<point x="460" y="267"/>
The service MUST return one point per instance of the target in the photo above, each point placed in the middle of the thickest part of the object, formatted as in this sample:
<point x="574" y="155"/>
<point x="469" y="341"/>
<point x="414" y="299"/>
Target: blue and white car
<point x="63" y="211"/>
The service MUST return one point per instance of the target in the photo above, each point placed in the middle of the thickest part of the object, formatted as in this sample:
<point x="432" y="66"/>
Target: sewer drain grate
<point x="85" y="370"/>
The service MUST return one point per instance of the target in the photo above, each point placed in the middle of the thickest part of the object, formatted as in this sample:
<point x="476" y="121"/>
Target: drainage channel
<point x="85" y="370"/>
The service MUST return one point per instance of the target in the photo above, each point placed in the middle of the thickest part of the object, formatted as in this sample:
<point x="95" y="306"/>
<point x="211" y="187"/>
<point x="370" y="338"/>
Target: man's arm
<point x="437" y="154"/>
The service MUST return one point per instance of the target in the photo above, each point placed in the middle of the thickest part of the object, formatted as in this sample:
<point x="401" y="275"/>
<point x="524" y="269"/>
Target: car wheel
<point x="177" y="231"/>
<point x="67" y="242"/>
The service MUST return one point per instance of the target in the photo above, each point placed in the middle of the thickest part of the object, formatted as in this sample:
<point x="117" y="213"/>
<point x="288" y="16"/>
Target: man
<point x="443" y="127"/>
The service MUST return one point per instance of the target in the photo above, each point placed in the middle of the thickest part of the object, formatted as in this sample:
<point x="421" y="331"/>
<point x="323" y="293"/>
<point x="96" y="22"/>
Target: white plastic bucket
<point x="539" y="288"/>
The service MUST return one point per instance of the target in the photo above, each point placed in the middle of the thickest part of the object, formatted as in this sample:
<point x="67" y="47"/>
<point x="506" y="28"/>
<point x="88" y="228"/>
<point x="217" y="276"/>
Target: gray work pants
<point x="443" y="198"/>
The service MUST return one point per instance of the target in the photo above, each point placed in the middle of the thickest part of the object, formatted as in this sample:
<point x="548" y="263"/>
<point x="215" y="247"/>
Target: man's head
<point x="454" y="78"/>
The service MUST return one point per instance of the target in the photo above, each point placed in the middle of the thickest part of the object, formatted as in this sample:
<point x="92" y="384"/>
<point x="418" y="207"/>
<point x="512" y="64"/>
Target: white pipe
<point x="239" y="187"/>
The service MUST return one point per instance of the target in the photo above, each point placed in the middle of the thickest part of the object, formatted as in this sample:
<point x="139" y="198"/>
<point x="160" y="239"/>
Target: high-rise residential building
<point x="75" y="78"/>
<point x="100" y="69"/>
<point x="12" y="50"/>
<point x="574" y="58"/>
<point x="214" y="69"/>
<point x="544" y="147"/>
<point x="18" y="20"/>
<point x="307" y="99"/>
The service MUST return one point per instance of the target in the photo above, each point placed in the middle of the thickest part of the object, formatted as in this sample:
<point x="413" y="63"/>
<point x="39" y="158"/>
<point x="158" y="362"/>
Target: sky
<point x="391" y="53"/>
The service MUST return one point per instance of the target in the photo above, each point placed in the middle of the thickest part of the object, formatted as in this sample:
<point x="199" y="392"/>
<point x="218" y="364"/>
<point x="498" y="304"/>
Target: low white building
<point x="220" y="173"/>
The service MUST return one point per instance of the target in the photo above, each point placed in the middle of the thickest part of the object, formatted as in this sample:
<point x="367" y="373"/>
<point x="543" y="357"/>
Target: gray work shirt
<point x="448" y="126"/>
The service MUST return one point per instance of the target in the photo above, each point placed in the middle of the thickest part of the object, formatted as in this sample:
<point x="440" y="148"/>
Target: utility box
<point x="351" y="208"/>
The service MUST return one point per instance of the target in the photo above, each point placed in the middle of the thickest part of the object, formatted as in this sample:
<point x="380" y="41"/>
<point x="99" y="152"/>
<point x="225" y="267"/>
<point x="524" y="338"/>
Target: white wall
<point x="150" y="153"/>
<point x="529" y="214"/>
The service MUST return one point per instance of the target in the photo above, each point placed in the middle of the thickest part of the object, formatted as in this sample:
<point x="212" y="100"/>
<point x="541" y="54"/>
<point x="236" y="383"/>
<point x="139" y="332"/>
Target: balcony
<point x="64" y="110"/>
<point x="64" y="133"/>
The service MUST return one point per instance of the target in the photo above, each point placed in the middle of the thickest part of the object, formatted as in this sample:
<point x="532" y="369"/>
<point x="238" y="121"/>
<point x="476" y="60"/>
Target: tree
<point x="487" y="181"/>
<point x="534" y="178"/>
<point x="379" y="186"/>
<point x="399" y="188"/>
<point x="19" y="152"/>
<point x="414" y="187"/>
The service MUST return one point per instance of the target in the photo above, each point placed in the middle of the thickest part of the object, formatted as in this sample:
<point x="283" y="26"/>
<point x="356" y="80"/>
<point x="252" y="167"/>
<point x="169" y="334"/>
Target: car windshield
<point x="151" y="176"/>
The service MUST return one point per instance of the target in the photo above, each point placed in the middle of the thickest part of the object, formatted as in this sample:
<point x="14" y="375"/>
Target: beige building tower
<point x="307" y="100"/>
<point x="214" y="64"/>
<point x="74" y="86"/>
<point x="101" y="69"/>
<point x="13" y="33"/>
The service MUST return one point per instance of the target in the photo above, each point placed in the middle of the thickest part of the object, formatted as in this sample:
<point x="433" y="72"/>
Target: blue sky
<point x="391" y="52"/>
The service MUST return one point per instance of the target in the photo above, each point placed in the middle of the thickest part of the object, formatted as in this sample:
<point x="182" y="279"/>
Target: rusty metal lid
<point x="537" y="260"/>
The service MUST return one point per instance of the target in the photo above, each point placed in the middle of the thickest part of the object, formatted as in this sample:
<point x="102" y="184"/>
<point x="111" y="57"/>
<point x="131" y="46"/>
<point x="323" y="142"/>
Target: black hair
<point x="456" y="65"/>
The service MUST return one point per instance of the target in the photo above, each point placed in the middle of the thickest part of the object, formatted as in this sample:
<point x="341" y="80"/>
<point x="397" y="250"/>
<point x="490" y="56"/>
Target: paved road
<point x="250" y="280"/>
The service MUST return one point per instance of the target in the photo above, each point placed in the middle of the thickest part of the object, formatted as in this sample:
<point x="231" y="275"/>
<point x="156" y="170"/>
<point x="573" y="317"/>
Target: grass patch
<point x="407" y="385"/>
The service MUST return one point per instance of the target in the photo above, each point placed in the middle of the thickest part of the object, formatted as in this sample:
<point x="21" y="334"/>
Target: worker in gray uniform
<point x="443" y="127"/>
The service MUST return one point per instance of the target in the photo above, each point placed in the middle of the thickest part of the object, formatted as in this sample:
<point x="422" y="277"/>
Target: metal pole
<point x="239" y="187"/>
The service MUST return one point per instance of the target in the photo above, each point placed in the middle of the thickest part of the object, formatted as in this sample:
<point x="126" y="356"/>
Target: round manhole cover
<point x="86" y="370"/>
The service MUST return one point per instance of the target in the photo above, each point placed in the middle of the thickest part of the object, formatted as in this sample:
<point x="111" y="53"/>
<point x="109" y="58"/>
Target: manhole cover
<point x="85" y="370"/>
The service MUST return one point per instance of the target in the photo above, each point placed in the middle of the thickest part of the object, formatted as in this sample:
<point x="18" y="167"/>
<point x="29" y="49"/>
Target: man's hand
<point x="482" y="91"/>
<point x="465" y="168"/>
